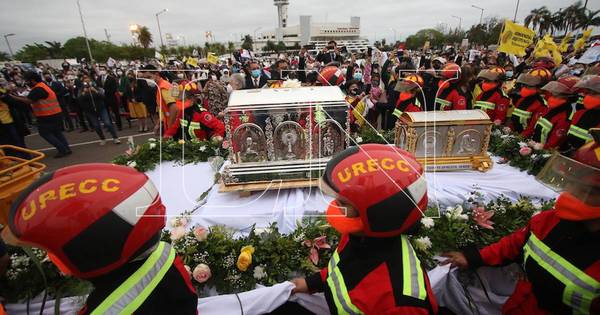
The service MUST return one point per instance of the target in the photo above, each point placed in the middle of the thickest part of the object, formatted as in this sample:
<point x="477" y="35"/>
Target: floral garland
<point x="527" y="155"/>
<point x="146" y="156"/>
<point x="218" y="258"/>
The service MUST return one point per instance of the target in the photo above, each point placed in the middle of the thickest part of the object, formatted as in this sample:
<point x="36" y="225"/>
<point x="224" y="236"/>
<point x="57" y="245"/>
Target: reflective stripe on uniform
<point x="580" y="288"/>
<point x="443" y="103"/>
<point x="338" y="288"/>
<point x="484" y="105"/>
<point x="523" y="116"/>
<point x="546" y="128"/>
<point x="48" y="106"/>
<point x="413" y="281"/>
<point x="192" y="127"/>
<point x="397" y="113"/>
<point x="580" y="133"/>
<point x="130" y="295"/>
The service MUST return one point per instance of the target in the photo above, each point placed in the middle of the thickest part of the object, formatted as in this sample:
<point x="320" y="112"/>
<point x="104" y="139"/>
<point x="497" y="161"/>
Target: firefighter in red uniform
<point x="379" y="193"/>
<point x="551" y="129"/>
<point x="492" y="98"/>
<point x="449" y="95"/>
<point x="410" y="89"/>
<point x="103" y="223"/>
<point x="560" y="248"/>
<point x="195" y="122"/>
<point x="531" y="105"/>
<point x="586" y="115"/>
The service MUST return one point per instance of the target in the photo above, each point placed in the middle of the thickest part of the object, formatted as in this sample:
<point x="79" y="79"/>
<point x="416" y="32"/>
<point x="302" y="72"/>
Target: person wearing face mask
<point x="255" y="78"/>
<point x="530" y="105"/>
<point x="216" y="95"/>
<point x="450" y="96"/>
<point x="353" y="97"/>
<point x="110" y="85"/>
<point x="164" y="99"/>
<point x="61" y="93"/>
<point x="374" y="269"/>
<point x="551" y="129"/>
<point x="47" y="111"/>
<point x="195" y="122"/>
<point x="410" y="94"/>
<point x="509" y="79"/>
<point x="492" y="99"/>
<point x="586" y="115"/>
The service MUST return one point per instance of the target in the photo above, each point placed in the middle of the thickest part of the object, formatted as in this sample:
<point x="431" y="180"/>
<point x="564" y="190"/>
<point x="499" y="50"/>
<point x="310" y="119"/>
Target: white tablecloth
<point x="180" y="186"/>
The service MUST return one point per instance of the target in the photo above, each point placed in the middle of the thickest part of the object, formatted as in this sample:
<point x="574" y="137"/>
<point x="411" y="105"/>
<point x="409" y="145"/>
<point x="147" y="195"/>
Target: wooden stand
<point x="246" y="190"/>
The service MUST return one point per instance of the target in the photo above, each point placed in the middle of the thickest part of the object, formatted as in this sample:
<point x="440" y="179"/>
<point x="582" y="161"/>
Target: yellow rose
<point x="181" y="141"/>
<point x="245" y="259"/>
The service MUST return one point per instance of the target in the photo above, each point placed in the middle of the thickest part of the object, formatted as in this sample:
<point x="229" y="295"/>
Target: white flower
<point x="423" y="243"/>
<point x="533" y="156"/>
<point x="546" y="155"/>
<point x="259" y="272"/>
<point x="152" y="145"/>
<point x="427" y="222"/>
<point x="456" y="213"/>
<point x="202" y="148"/>
<point x="151" y="140"/>
<point x="522" y="144"/>
<point x="359" y="139"/>
<point x="132" y="164"/>
<point x="181" y="221"/>
<point x="177" y="233"/>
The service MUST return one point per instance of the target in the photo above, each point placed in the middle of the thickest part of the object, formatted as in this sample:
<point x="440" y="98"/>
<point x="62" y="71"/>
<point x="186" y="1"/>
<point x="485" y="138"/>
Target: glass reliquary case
<point x="446" y="140"/>
<point x="283" y="135"/>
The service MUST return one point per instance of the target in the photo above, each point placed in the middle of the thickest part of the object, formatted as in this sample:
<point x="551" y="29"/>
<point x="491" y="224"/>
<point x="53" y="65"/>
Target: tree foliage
<point x="144" y="36"/>
<point x="573" y="17"/>
<point x="416" y="41"/>
<point x="247" y="43"/>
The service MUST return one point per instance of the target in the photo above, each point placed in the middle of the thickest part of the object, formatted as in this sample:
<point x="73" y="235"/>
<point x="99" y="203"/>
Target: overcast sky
<point x="58" y="20"/>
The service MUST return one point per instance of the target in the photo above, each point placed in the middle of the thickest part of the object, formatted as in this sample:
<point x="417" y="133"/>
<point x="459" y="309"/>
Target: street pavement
<point x="86" y="146"/>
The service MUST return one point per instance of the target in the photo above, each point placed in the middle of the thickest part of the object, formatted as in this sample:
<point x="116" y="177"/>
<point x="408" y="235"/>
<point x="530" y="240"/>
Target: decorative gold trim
<point x="450" y="141"/>
<point x="486" y="139"/>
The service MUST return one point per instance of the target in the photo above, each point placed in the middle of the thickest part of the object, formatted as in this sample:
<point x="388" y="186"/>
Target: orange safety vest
<point x="164" y="110"/>
<point x="49" y="105"/>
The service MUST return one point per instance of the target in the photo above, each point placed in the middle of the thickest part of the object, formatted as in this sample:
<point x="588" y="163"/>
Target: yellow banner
<point x="564" y="43"/>
<point x="192" y="62"/>
<point x="515" y="38"/>
<point x="212" y="59"/>
<point x="546" y="47"/>
<point x="580" y="43"/>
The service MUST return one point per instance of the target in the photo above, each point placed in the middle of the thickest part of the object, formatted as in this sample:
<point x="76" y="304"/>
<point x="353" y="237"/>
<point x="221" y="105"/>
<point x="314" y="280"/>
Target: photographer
<point x="93" y="106"/>
<point x="330" y="53"/>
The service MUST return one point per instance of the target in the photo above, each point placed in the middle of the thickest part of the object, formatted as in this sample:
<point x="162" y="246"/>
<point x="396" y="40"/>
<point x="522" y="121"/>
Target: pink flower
<point x="497" y="122"/>
<point x="181" y="221"/>
<point x="201" y="233"/>
<point x="531" y="143"/>
<point x="538" y="146"/>
<point x="225" y="144"/>
<point x="525" y="151"/>
<point x="177" y="233"/>
<point x="506" y="130"/>
<point x="502" y="160"/>
<point x="316" y="244"/>
<point x="482" y="217"/>
<point x="201" y="273"/>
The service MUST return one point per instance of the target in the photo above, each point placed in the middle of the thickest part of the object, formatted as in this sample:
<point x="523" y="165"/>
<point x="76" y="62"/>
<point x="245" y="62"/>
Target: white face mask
<point x="344" y="71"/>
<point x="213" y="77"/>
<point x="180" y="75"/>
<point x="229" y="88"/>
<point x="102" y="72"/>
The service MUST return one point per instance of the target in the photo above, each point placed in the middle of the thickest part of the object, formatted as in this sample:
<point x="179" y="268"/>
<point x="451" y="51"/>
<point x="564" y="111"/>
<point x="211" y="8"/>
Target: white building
<point x="317" y="34"/>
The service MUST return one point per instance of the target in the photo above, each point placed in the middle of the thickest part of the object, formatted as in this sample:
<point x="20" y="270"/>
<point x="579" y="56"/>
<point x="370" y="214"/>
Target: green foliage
<point x="570" y="18"/>
<point x="507" y="145"/>
<point x="144" y="36"/>
<point x="145" y="157"/>
<point x="248" y="42"/>
<point x="416" y="41"/>
<point x="280" y="46"/>
<point x="4" y="56"/>
<point x="269" y="46"/>
<point x="370" y="135"/>
<point x="486" y="33"/>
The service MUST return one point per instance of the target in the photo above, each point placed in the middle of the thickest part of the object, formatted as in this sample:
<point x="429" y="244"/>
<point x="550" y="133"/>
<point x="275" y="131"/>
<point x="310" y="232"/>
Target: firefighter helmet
<point x="451" y="71"/>
<point x="493" y="74"/>
<point x="383" y="184"/>
<point x="564" y="85"/>
<point x="535" y="77"/>
<point x="331" y="76"/>
<point x="589" y="82"/>
<point x="409" y="82"/>
<point x="91" y="218"/>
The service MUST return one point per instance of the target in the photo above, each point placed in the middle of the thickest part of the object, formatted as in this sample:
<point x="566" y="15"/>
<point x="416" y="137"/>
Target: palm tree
<point x="540" y="18"/>
<point x="4" y="56"/>
<point x="144" y="36"/>
<point x="55" y="49"/>
<point x="589" y="18"/>
<point x="558" y="21"/>
<point x="572" y="16"/>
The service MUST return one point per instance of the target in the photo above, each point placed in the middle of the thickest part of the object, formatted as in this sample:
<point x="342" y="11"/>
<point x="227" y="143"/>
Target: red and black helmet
<point x="331" y="76"/>
<point x="451" y="71"/>
<point x="384" y="184"/>
<point x="91" y="218"/>
<point x="411" y="81"/>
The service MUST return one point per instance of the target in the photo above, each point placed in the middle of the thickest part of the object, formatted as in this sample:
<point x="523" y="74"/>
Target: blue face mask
<point x="357" y="76"/>
<point x="509" y="74"/>
<point x="255" y="73"/>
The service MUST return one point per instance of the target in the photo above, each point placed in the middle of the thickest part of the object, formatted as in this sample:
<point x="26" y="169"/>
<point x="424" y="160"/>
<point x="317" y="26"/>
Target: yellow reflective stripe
<point x="443" y="103"/>
<point x="580" y="288"/>
<point x="485" y="105"/>
<point x="130" y="295"/>
<point x="579" y="132"/>
<point x="339" y="292"/>
<point x="413" y="280"/>
<point x="546" y="128"/>
<point x="523" y="116"/>
<point x="397" y="113"/>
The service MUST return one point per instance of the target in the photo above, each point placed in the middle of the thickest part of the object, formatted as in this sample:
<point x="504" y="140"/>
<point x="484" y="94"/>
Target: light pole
<point x="107" y="35"/>
<point x="517" y="9"/>
<point x="158" y="22"/>
<point x="459" y="21"/>
<point x="87" y="42"/>
<point x="394" y="30"/>
<point x="479" y="8"/>
<point x="8" y="44"/>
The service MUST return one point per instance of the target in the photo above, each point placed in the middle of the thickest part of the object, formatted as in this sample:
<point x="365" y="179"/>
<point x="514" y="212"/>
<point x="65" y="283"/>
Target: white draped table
<point x="181" y="186"/>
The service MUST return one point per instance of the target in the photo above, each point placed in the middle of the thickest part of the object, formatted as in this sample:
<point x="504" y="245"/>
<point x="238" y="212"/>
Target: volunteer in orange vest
<point x="164" y="98"/>
<point x="47" y="112"/>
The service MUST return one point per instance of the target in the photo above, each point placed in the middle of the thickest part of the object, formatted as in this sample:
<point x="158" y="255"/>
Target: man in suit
<point x="109" y="84"/>
<point x="330" y="53"/>
<point x="255" y="77"/>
